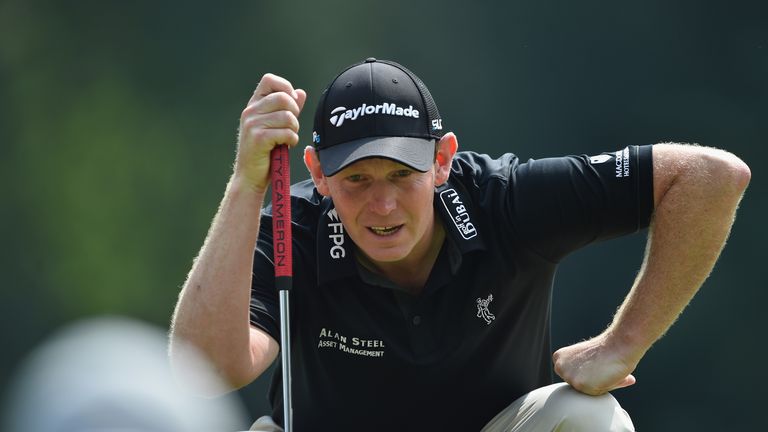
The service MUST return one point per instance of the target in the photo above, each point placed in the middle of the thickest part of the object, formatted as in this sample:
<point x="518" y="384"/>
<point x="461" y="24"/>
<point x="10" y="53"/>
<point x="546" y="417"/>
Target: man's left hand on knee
<point x="594" y="366"/>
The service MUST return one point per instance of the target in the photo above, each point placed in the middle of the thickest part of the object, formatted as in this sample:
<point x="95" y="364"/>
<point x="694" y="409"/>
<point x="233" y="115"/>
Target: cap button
<point x="370" y="60"/>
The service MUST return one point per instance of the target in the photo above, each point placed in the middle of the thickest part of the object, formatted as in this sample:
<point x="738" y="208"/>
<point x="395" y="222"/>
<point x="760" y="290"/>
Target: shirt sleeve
<point x="264" y="308"/>
<point x="558" y="205"/>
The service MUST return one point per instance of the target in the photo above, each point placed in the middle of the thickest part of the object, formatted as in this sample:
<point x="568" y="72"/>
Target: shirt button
<point x="416" y="320"/>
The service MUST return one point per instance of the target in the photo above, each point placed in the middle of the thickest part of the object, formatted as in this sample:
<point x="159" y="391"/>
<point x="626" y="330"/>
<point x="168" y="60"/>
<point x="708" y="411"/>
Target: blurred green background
<point x="118" y="123"/>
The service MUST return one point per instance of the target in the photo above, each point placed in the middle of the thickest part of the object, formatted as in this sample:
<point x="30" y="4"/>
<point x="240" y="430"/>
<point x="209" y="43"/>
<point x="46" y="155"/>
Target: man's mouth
<point x="384" y="230"/>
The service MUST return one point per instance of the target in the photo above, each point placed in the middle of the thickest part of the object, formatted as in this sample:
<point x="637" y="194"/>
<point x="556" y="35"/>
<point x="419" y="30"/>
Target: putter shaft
<point x="285" y="343"/>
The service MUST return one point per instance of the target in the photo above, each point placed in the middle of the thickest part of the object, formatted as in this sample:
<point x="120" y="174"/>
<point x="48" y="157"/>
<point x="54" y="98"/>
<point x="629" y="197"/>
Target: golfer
<point x="423" y="275"/>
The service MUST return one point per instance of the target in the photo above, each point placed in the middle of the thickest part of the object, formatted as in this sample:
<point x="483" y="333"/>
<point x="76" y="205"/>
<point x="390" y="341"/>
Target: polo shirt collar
<point x="336" y="252"/>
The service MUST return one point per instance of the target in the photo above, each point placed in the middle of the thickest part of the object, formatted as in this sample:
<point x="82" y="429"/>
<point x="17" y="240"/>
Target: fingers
<point x="302" y="97"/>
<point x="273" y="137"/>
<point x="274" y="102"/>
<point x="276" y="87"/>
<point x="593" y="390"/>
<point x="268" y="130"/>
<point x="271" y="83"/>
<point x="273" y="120"/>
<point x="264" y="131"/>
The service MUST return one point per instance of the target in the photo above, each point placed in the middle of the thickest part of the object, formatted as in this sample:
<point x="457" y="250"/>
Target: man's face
<point x="386" y="208"/>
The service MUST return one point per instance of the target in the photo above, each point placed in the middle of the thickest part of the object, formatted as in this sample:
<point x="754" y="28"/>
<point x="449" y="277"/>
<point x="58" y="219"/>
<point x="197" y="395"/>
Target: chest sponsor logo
<point x="452" y="203"/>
<point x="336" y="235"/>
<point x="357" y="346"/>
<point x="482" y="309"/>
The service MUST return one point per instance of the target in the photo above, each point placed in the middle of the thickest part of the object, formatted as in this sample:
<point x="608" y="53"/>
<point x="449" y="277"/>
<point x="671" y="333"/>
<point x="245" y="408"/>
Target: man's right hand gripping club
<point x="271" y="118"/>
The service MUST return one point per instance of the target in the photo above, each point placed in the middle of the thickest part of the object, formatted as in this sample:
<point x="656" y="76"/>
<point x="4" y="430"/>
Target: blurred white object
<point x="112" y="374"/>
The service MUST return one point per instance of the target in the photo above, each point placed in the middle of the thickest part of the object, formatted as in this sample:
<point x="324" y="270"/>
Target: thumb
<point x="626" y="382"/>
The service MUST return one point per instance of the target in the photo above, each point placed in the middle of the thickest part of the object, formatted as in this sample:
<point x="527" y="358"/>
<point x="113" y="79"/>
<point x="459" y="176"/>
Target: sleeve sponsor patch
<point x="621" y="160"/>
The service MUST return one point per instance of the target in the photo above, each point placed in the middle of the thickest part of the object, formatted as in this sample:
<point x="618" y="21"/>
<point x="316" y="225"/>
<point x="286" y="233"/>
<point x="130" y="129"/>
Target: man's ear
<point x="313" y="166"/>
<point x="446" y="149"/>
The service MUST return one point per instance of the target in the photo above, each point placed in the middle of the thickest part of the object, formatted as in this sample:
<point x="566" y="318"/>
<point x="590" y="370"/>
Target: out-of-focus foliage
<point x="118" y="121"/>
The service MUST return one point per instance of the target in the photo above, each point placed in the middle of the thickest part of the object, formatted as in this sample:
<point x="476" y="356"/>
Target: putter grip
<point x="281" y="215"/>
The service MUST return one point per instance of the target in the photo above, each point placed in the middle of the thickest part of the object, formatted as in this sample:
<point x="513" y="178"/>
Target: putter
<point x="283" y="257"/>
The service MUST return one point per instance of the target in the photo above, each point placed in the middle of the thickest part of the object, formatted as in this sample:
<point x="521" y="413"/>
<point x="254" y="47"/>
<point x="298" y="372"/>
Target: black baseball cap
<point x="376" y="108"/>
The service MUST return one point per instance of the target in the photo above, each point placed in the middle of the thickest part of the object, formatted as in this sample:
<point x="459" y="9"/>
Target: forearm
<point x="212" y="312"/>
<point x="692" y="220"/>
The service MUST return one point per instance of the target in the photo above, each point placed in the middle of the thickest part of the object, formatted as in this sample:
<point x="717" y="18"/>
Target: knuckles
<point x="282" y="99"/>
<point x="262" y="136"/>
<point x="287" y="119"/>
<point x="266" y="77"/>
<point x="273" y="102"/>
<point x="269" y="77"/>
<point x="558" y="369"/>
<point x="274" y="120"/>
<point x="268" y="80"/>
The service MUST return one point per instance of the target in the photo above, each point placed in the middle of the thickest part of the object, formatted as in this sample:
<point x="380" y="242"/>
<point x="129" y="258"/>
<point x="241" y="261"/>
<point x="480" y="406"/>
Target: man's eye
<point x="403" y="173"/>
<point x="355" y="178"/>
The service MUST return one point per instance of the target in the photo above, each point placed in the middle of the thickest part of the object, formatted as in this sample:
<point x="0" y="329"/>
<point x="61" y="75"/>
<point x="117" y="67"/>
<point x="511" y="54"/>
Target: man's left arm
<point x="696" y="193"/>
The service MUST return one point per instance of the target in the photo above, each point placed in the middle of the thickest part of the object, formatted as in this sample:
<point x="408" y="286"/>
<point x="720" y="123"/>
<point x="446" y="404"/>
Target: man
<point x="423" y="276"/>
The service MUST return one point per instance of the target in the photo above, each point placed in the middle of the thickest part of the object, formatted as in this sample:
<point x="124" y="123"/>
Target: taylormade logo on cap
<point x="341" y="113"/>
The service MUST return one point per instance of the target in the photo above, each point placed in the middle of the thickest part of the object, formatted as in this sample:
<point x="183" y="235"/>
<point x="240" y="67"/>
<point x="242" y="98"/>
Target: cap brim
<point x="416" y="153"/>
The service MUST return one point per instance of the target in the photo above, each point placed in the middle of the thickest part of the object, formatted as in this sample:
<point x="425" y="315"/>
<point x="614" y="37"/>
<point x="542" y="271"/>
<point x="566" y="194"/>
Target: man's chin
<point x="379" y="256"/>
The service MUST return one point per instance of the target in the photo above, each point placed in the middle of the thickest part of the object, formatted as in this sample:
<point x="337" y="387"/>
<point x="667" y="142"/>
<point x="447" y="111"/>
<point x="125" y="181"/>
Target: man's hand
<point x="270" y="118"/>
<point x="595" y="366"/>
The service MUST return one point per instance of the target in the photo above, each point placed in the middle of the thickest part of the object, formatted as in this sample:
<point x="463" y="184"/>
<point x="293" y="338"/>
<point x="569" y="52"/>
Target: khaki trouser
<point x="560" y="408"/>
<point x="554" y="408"/>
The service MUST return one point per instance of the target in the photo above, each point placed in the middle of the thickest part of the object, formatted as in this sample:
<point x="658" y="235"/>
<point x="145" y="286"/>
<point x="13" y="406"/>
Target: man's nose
<point x="383" y="199"/>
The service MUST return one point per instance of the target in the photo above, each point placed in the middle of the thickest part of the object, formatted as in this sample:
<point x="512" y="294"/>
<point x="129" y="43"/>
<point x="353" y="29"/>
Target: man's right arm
<point x="212" y="313"/>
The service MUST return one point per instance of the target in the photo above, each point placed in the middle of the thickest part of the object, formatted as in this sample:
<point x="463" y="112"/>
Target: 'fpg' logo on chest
<point x="459" y="215"/>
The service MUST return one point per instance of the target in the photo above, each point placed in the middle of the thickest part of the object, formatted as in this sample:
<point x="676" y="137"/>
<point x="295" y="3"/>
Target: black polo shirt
<point x="368" y="356"/>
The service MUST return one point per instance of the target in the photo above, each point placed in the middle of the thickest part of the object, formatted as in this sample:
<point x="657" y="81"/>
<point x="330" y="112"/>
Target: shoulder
<point x="482" y="167"/>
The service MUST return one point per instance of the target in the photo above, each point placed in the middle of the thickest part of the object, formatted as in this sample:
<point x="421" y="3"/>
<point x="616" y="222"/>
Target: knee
<point x="581" y="412"/>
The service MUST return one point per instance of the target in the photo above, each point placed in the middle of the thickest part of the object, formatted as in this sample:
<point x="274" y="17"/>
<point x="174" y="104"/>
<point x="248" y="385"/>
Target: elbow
<point x="210" y="371"/>
<point x="195" y="372"/>
<point x="700" y="171"/>
<point x="730" y="172"/>
<point x="212" y="366"/>
<point x="744" y="174"/>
